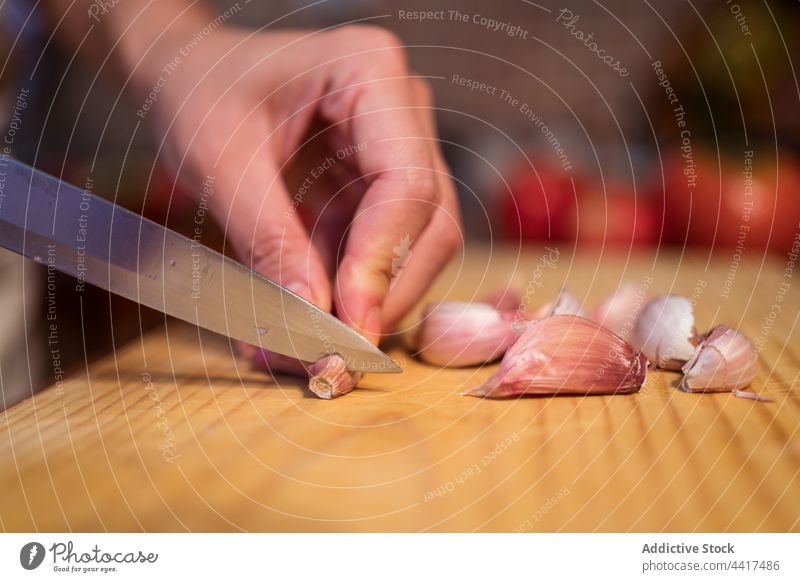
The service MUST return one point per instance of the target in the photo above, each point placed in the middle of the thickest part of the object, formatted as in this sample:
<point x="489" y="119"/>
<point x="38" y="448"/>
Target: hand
<point x="241" y="106"/>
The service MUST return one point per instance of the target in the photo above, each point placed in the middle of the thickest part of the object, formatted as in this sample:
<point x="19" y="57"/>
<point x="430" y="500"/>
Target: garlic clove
<point x="725" y="361"/>
<point x="464" y="334"/>
<point x="504" y="300"/>
<point x="619" y="310"/>
<point x="665" y="332"/>
<point x="566" y="354"/>
<point x="565" y="304"/>
<point x="329" y="377"/>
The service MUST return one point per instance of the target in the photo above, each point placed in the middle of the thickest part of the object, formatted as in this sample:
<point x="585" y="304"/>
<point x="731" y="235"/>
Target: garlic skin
<point x="464" y="334"/>
<point x="566" y="354"/>
<point x="664" y="331"/>
<point x="618" y="311"/>
<point x="565" y="304"/>
<point x="725" y="361"/>
<point x="751" y="396"/>
<point x="329" y="377"/>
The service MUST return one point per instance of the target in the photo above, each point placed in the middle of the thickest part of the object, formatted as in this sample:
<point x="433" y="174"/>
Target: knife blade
<point x="101" y="243"/>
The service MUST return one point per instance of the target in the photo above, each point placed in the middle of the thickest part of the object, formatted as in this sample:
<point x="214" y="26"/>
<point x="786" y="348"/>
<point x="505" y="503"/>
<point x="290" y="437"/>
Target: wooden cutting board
<point x="174" y="432"/>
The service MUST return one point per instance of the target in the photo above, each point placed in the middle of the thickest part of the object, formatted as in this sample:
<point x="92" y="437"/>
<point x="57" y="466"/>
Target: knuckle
<point x="376" y="36"/>
<point x="264" y="251"/>
<point x="422" y="185"/>
<point x="366" y="271"/>
<point x="451" y="240"/>
<point x="268" y="250"/>
<point x="384" y="46"/>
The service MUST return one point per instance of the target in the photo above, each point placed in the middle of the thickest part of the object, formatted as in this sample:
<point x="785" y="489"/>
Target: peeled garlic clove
<point x="619" y="310"/>
<point x="725" y="361"/>
<point x="665" y="332"/>
<point x="565" y="354"/>
<point x="329" y="377"/>
<point x="565" y="304"/>
<point x="464" y="334"/>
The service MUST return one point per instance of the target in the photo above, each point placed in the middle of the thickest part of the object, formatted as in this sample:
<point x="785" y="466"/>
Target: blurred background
<point x="601" y="124"/>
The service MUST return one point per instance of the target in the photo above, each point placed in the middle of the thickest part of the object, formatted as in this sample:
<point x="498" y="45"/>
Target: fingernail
<point x="371" y="326"/>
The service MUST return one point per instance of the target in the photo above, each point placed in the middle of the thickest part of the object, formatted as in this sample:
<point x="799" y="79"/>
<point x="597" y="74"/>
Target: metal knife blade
<point x="98" y="242"/>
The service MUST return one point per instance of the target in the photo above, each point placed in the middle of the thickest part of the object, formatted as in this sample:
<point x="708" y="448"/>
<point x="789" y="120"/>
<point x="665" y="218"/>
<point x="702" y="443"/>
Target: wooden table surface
<point x="175" y="433"/>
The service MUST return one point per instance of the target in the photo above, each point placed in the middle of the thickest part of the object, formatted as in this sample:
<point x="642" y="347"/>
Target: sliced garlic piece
<point x="329" y="377"/>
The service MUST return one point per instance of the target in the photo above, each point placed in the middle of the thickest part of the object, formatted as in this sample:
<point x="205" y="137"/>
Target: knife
<point x="98" y="242"/>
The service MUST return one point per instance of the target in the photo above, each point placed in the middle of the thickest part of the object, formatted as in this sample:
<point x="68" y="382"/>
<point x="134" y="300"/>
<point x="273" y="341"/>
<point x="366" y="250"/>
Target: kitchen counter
<point x="174" y="432"/>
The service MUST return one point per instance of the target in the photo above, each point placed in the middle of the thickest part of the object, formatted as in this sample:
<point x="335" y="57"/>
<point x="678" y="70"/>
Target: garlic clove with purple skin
<point x="464" y="334"/>
<point x="724" y="361"/>
<point x="566" y="354"/>
<point x="329" y="377"/>
<point x="619" y="310"/>
<point x="565" y="304"/>
<point x="664" y="331"/>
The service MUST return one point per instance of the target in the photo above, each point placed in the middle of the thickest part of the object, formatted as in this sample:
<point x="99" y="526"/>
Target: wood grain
<point x="251" y="453"/>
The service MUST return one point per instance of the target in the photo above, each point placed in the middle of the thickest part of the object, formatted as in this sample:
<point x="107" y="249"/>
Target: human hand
<point x="241" y="106"/>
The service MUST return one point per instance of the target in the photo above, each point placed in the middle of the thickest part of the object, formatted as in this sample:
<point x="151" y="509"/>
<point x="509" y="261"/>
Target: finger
<point x="402" y="195"/>
<point x="395" y="210"/>
<point x="262" y="223"/>
<point x="441" y="239"/>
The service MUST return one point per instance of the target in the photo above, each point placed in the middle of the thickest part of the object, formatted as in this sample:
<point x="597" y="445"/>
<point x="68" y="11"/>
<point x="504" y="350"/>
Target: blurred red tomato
<point x="751" y="201"/>
<point x="538" y="203"/>
<point x="617" y="218"/>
